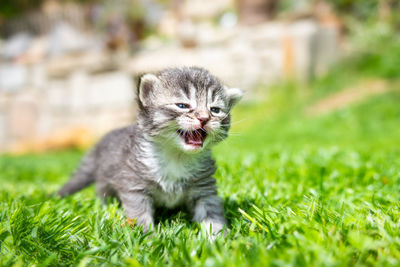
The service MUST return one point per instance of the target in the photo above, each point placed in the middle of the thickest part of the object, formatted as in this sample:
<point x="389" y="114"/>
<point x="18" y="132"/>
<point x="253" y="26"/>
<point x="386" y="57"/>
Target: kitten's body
<point x="164" y="159"/>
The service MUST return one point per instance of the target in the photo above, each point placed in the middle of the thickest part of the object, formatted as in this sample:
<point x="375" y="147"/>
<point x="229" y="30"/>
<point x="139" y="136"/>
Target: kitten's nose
<point x="203" y="116"/>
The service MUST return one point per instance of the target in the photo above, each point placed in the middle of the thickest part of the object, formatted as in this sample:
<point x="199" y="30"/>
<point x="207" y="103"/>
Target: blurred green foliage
<point x="13" y="8"/>
<point x="376" y="50"/>
<point x="373" y="53"/>
<point x="361" y="9"/>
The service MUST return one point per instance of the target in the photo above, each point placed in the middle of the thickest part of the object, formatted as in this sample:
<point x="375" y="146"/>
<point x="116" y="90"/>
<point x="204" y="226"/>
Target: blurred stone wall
<point x="62" y="85"/>
<point x="245" y="56"/>
<point x="70" y="108"/>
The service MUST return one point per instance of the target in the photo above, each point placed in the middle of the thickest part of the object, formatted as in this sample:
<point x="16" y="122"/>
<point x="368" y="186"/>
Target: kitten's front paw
<point x="214" y="229"/>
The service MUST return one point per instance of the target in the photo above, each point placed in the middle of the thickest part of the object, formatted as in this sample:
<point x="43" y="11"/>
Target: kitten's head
<point x="186" y="108"/>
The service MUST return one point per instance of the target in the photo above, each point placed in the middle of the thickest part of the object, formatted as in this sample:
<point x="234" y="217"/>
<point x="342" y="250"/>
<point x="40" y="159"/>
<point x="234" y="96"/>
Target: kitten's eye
<point x="215" y="110"/>
<point x="182" y="105"/>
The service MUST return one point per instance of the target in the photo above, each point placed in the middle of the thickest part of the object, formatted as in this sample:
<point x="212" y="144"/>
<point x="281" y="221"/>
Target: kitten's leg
<point x="139" y="207"/>
<point x="210" y="211"/>
<point x="104" y="190"/>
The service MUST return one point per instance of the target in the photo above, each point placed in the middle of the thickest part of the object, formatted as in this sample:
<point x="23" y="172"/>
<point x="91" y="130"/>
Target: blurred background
<point x="68" y="69"/>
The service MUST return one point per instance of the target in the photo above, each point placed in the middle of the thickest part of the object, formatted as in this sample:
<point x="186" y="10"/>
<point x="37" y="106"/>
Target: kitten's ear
<point x="234" y="95"/>
<point x="147" y="84"/>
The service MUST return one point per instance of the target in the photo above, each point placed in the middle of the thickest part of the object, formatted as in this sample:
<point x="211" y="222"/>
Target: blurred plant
<point x="355" y="9"/>
<point x="13" y="8"/>
<point x="360" y="9"/>
<point x="377" y="49"/>
<point x="127" y="21"/>
<point x="256" y="11"/>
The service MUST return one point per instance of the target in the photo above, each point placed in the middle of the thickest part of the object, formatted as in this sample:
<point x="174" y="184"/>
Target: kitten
<point x="164" y="159"/>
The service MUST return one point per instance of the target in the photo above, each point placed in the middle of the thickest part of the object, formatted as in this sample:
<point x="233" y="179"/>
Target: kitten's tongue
<point x="194" y="138"/>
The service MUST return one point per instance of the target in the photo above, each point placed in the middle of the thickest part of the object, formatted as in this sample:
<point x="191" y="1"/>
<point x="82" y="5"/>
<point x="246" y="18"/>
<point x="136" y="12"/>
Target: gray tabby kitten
<point x="164" y="159"/>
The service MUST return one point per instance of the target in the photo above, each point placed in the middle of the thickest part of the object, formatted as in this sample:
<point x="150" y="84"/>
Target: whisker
<point x="234" y="123"/>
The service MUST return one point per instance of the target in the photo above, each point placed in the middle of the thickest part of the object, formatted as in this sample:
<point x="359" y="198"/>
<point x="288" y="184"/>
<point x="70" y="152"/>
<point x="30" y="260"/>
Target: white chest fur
<point x="173" y="172"/>
<point x="170" y="171"/>
<point x="171" y="177"/>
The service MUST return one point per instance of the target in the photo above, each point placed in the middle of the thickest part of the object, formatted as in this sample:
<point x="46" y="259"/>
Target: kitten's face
<point x="186" y="108"/>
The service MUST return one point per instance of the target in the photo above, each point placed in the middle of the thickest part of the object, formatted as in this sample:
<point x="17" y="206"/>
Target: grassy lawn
<point x="298" y="190"/>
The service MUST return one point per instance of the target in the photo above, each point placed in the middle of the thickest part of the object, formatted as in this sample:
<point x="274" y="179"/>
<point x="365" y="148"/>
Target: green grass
<point x="298" y="191"/>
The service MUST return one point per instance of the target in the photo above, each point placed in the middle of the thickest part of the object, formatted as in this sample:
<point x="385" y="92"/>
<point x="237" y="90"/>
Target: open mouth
<point x="195" y="138"/>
